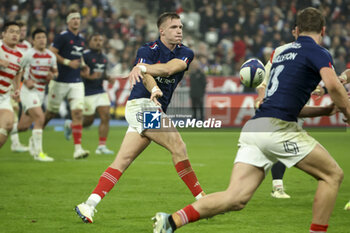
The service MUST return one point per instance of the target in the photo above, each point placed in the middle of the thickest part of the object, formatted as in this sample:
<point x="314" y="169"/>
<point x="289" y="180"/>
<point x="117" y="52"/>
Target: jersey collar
<point x="165" y="49"/>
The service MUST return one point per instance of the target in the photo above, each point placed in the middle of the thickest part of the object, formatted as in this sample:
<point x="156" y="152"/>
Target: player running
<point x="23" y="45"/>
<point x="167" y="59"/>
<point x="10" y="77"/>
<point x="273" y="134"/>
<point x="39" y="68"/>
<point x="96" y="98"/>
<point x="68" y="48"/>
<point x="278" y="169"/>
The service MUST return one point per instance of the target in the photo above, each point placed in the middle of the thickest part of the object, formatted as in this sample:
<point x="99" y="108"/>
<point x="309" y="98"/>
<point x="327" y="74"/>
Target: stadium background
<point x="223" y="34"/>
<point x="36" y="197"/>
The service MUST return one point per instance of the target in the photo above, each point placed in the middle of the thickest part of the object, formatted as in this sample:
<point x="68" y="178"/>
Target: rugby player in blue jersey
<point x="273" y="134"/>
<point x="96" y="98"/>
<point x="68" y="47"/>
<point x="166" y="59"/>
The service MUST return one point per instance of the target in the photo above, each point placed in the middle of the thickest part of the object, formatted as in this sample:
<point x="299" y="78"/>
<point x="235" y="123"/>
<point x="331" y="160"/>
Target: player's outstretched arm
<point x="151" y="85"/>
<point x="336" y="91"/>
<point x="262" y="87"/>
<point x="166" y="69"/>
<point x="315" y="111"/>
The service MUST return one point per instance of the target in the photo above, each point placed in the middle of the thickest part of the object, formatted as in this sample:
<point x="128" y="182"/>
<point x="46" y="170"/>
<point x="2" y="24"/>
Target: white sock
<point x="93" y="200"/>
<point x="14" y="134"/>
<point x="14" y="129"/>
<point x="38" y="139"/>
<point x="78" y="147"/>
<point x="277" y="184"/>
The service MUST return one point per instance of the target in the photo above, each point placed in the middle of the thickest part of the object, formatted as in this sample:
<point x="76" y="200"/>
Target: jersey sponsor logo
<point x="77" y="50"/>
<point x="99" y="67"/>
<point x="165" y="80"/>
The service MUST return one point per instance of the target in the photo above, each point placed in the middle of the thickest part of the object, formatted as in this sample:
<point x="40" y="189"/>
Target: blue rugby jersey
<point x="70" y="46"/>
<point x="295" y="73"/>
<point x="156" y="52"/>
<point x="97" y="62"/>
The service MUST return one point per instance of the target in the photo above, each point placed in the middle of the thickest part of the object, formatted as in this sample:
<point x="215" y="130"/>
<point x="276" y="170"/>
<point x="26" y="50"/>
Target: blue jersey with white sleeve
<point x="71" y="47"/>
<point x="156" y="52"/>
<point x="295" y="73"/>
<point x="97" y="62"/>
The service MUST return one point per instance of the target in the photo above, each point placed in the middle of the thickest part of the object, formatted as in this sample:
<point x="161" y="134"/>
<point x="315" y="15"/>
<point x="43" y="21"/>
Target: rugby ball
<point x="252" y="73"/>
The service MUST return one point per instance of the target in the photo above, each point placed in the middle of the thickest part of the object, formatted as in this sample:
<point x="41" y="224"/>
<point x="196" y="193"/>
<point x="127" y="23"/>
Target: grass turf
<point x="37" y="197"/>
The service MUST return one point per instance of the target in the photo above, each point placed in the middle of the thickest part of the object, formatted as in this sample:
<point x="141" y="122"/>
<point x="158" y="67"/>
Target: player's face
<point x="171" y="31"/>
<point x="11" y="35"/>
<point x="23" y="32"/>
<point x="40" y="41"/>
<point x="74" y="23"/>
<point x="96" y="42"/>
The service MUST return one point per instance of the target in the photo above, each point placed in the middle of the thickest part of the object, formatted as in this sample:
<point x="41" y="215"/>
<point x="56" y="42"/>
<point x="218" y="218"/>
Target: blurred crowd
<point x="229" y="32"/>
<point x="223" y="33"/>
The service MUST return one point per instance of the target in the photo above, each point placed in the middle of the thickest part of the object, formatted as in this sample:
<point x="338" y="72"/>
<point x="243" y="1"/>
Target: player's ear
<point x="323" y="31"/>
<point x="297" y="32"/>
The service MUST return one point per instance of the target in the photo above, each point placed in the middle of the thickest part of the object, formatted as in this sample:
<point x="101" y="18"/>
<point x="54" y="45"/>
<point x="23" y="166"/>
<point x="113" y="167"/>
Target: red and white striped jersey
<point x="8" y="74"/>
<point x="24" y="46"/>
<point x="37" y="65"/>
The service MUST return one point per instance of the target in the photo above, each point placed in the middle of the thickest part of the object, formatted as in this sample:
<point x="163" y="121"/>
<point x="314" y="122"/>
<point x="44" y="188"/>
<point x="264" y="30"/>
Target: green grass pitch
<point x="38" y="197"/>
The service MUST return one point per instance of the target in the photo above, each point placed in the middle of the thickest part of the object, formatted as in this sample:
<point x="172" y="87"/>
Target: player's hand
<point x="111" y="81"/>
<point x="74" y="64"/>
<point x="4" y="63"/>
<point x="50" y="76"/>
<point x="343" y="78"/>
<point x="156" y="93"/>
<point x="16" y="95"/>
<point x="319" y="91"/>
<point x="257" y="102"/>
<point x="85" y="72"/>
<point x="135" y="75"/>
<point x="29" y="83"/>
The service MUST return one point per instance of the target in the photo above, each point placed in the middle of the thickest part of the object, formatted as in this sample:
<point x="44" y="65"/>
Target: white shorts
<point x="91" y="102"/>
<point x="134" y="113"/>
<point x="31" y="98"/>
<point x="264" y="141"/>
<point x="74" y="92"/>
<point x="5" y="102"/>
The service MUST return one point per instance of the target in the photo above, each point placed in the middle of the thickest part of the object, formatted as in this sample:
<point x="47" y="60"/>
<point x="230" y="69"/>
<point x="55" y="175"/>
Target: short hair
<point x="73" y="10"/>
<point x="93" y="35"/>
<point x="8" y="24"/>
<point x="21" y="23"/>
<point x="310" y="20"/>
<point x="37" y="31"/>
<point x="166" y="15"/>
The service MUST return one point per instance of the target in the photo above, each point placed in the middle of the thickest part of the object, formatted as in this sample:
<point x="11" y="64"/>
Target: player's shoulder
<point x="87" y="51"/>
<point x="63" y="33"/>
<point x="184" y="49"/>
<point x="150" y="46"/>
<point x="48" y="51"/>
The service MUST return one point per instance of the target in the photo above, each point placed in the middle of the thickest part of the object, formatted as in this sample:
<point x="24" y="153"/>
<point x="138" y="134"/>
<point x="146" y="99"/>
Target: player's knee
<point x="8" y="125"/>
<point x="104" y="118"/>
<point x="337" y="176"/>
<point x="77" y="115"/>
